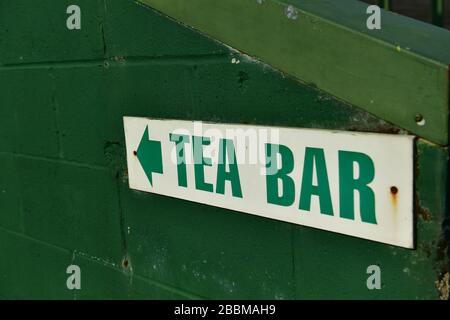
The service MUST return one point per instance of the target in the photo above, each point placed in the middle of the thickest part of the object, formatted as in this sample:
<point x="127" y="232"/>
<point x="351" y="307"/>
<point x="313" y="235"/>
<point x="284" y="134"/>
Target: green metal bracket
<point x="399" y="73"/>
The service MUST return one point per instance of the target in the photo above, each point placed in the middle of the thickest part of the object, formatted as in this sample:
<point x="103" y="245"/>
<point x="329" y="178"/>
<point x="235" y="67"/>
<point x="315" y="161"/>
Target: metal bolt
<point x="420" y="120"/>
<point x="394" y="190"/>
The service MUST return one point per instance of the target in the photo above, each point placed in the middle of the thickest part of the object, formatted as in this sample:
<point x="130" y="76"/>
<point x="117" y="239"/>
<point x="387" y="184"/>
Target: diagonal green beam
<point x="398" y="73"/>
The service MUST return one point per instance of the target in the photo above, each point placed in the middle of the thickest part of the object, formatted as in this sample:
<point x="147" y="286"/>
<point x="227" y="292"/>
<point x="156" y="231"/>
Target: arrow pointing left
<point x="149" y="155"/>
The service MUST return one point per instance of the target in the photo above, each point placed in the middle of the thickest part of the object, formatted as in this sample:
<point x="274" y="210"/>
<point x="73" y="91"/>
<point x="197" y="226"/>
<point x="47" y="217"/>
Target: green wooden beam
<point x="398" y="73"/>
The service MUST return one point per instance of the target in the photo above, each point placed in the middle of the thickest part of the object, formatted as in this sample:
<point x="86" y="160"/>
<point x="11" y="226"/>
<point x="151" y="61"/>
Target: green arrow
<point x="150" y="156"/>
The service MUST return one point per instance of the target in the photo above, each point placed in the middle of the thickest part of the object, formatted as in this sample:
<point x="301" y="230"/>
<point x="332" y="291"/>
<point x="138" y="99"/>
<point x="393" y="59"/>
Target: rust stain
<point x="394" y="195"/>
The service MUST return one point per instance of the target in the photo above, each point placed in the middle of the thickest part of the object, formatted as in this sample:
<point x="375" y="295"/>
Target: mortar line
<point x="56" y="160"/>
<point x="294" y="280"/>
<point x="155" y="60"/>
<point x="88" y="257"/>
<point x="122" y="222"/>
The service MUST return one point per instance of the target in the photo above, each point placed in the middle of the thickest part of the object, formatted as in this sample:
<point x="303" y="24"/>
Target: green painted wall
<point x="64" y="196"/>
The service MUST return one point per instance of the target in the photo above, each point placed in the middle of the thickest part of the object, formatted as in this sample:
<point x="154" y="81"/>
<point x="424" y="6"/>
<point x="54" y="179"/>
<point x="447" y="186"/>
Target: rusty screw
<point x="394" y="190"/>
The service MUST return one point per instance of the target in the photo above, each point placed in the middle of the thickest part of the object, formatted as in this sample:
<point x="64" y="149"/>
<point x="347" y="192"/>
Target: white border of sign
<point x="392" y="156"/>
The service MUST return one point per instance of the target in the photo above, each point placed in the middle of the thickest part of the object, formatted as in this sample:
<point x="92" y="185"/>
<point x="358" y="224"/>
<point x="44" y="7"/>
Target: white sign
<point x="358" y="184"/>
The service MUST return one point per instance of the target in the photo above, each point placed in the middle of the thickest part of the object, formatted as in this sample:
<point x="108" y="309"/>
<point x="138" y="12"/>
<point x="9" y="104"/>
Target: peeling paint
<point x="443" y="286"/>
<point x="291" y="12"/>
<point x="94" y="258"/>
